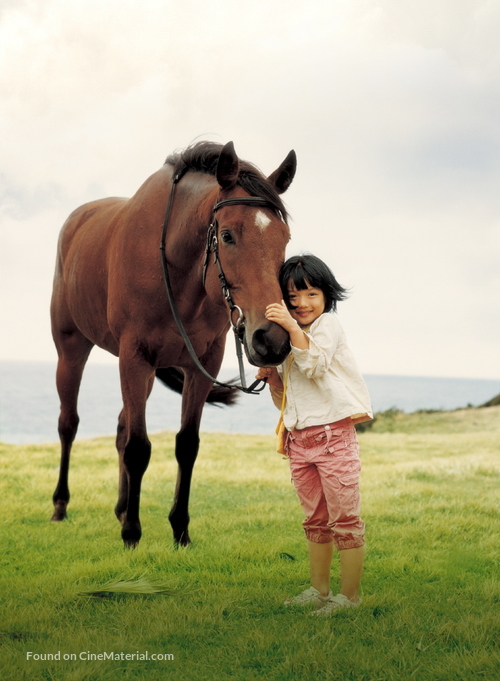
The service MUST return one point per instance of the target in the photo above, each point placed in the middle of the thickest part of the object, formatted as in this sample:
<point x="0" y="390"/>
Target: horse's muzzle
<point x="270" y="345"/>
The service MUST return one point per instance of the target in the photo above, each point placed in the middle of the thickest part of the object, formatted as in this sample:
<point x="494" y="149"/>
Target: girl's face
<point x="308" y="303"/>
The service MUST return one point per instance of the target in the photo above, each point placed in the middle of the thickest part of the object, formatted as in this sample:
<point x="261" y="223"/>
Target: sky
<point x="393" y="109"/>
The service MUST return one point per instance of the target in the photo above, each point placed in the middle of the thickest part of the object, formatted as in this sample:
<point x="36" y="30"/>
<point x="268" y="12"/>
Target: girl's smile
<point x="306" y="305"/>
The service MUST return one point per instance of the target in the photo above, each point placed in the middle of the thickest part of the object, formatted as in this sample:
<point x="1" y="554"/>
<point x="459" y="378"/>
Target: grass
<point x="431" y="609"/>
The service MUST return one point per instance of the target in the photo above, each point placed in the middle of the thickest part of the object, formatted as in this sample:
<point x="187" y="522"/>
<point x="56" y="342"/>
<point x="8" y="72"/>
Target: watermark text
<point x="87" y="655"/>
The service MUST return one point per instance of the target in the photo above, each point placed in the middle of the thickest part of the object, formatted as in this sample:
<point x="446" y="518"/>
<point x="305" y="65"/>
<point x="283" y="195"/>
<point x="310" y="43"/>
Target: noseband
<point x="212" y="246"/>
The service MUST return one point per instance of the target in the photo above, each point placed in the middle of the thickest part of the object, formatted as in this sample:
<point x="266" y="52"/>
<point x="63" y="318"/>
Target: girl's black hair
<point x="308" y="270"/>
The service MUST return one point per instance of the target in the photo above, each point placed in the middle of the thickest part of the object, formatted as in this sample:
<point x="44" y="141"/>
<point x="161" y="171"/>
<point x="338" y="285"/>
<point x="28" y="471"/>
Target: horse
<point x="109" y="291"/>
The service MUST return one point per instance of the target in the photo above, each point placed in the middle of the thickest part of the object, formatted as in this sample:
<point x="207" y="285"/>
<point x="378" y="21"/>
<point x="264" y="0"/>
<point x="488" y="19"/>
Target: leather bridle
<point x="212" y="246"/>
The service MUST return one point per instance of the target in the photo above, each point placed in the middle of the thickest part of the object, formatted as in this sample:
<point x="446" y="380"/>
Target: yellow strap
<point x="285" y="382"/>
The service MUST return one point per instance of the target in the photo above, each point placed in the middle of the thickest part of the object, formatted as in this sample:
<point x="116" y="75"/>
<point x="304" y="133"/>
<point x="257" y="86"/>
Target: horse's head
<point x="251" y="238"/>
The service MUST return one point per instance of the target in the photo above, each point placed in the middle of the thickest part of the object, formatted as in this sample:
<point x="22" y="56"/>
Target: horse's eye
<point x="226" y="237"/>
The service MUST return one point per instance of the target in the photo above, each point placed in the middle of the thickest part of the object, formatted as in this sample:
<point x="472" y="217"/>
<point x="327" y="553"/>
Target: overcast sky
<point x="393" y="108"/>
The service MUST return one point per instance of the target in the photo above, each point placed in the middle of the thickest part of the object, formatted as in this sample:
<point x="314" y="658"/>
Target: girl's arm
<point x="274" y="382"/>
<point x="273" y="378"/>
<point x="279" y="313"/>
<point x="276" y="396"/>
<point x="313" y="354"/>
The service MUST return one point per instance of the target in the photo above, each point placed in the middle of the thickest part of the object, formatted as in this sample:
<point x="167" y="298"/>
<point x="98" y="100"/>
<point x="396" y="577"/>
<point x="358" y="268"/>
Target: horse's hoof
<point x="131" y="535"/>
<point x="59" y="513"/>
<point x="182" y="541"/>
<point x="58" y="517"/>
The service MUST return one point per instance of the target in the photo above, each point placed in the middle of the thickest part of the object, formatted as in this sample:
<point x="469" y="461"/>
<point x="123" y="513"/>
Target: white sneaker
<point x="335" y="603"/>
<point x="309" y="596"/>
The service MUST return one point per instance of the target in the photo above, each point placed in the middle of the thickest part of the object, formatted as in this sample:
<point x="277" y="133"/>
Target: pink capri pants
<point x="325" y="467"/>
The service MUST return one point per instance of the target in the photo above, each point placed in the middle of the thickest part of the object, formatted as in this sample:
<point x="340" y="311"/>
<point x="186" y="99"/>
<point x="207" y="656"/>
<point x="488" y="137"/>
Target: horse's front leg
<point x="134" y="447"/>
<point x="195" y="392"/>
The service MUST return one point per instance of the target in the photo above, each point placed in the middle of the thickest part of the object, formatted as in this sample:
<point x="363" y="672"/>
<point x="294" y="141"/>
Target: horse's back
<point x="89" y="223"/>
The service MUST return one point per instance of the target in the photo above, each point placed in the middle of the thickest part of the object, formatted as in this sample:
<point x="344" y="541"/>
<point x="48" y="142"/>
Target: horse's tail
<point x="174" y="379"/>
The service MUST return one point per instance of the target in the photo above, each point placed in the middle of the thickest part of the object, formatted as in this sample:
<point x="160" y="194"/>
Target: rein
<point x="212" y="246"/>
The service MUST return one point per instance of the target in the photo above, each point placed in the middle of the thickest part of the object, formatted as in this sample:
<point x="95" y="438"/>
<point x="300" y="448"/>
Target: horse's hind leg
<point x="73" y="349"/>
<point x="121" y="440"/>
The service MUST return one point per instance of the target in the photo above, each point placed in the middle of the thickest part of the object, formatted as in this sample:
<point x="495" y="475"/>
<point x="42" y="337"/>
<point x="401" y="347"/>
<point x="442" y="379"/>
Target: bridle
<point x="212" y="246"/>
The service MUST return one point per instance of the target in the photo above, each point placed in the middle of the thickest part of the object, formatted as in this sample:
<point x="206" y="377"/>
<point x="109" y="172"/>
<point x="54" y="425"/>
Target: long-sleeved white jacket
<point x="324" y="383"/>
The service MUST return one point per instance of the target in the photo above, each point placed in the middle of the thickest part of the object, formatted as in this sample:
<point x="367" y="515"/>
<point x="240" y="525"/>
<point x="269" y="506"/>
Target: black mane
<point x="202" y="157"/>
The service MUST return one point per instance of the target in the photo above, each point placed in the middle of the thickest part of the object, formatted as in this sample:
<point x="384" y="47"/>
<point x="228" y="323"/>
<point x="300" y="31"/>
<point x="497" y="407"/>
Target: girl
<point x="325" y="397"/>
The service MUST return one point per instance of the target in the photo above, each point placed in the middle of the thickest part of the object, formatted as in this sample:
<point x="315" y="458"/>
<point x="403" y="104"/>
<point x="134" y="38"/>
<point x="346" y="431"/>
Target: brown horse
<point x="109" y="291"/>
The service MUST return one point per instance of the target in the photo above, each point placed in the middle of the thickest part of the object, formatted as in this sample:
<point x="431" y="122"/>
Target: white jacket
<point x="324" y="383"/>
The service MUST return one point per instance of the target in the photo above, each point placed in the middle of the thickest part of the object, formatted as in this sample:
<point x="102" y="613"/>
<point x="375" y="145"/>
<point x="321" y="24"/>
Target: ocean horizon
<point x="29" y="405"/>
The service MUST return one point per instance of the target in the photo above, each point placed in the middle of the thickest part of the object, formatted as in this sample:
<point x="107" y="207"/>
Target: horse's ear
<point x="228" y="167"/>
<point x="283" y="176"/>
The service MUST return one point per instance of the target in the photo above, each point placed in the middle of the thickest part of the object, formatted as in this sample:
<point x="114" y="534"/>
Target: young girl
<point x="325" y="397"/>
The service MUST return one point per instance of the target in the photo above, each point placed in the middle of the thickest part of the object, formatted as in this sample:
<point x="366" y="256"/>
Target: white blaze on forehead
<point x="261" y="220"/>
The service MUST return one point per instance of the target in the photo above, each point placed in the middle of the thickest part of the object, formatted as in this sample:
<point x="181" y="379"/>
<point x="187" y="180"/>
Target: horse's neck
<point x="186" y="240"/>
<point x="193" y="201"/>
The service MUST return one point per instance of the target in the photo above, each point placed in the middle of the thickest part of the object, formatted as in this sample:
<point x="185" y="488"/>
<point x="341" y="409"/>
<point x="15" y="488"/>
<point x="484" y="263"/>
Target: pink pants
<point x="325" y="467"/>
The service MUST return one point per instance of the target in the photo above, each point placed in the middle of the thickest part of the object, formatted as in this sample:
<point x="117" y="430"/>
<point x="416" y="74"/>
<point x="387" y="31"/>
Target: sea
<point x="29" y="405"/>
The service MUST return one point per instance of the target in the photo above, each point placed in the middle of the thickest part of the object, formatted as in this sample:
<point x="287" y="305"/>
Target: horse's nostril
<point x="271" y="344"/>
<point x="259" y="342"/>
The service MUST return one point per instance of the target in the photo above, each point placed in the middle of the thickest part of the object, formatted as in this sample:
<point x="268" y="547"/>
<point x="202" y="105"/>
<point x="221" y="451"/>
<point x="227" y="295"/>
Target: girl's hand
<point x="272" y="376"/>
<point x="279" y="313"/>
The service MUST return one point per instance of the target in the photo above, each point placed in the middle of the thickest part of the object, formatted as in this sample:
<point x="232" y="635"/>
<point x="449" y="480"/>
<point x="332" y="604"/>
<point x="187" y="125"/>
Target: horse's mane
<point x="202" y="157"/>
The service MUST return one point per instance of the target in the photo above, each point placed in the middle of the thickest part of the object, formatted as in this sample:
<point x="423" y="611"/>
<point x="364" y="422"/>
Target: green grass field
<point x="431" y="587"/>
